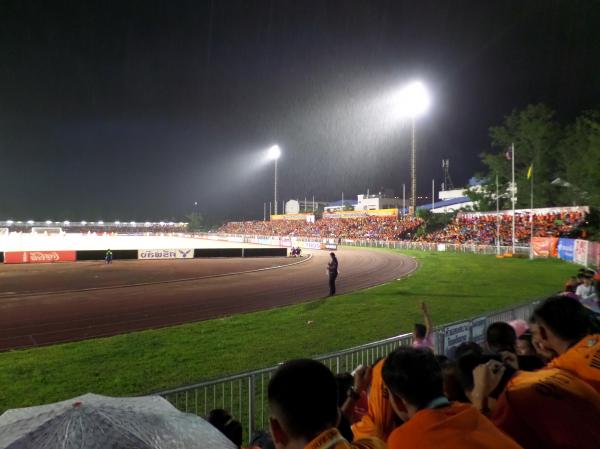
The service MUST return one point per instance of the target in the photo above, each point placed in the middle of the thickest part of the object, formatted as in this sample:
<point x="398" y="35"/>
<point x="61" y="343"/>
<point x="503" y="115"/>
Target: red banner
<point x="39" y="256"/>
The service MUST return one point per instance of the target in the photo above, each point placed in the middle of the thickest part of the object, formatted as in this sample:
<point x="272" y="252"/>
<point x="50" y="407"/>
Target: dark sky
<point x="133" y="110"/>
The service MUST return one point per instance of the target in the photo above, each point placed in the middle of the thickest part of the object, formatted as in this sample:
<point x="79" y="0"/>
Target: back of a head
<point x="229" y="427"/>
<point x="566" y="318"/>
<point x="414" y="375"/>
<point x="501" y="336"/>
<point x="303" y="394"/>
<point x="420" y="330"/>
<point x="468" y="357"/>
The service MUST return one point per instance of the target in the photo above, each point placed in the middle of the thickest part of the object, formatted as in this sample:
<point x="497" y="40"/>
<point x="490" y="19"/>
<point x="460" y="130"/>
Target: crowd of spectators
<point x="532" y="384"/>
<point x="482" y="229"/>
<point x="376" y="228"/>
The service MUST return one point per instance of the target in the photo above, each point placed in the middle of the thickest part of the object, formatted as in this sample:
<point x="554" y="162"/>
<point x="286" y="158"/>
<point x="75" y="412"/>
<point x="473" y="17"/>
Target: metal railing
<point x="244" y="395"/>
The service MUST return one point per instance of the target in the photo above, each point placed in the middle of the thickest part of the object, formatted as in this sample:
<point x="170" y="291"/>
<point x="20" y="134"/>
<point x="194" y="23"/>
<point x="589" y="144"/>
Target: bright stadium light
<point x="274" y="153"/>
<point x="30" y="222"/>
<point x="412" y="101"/>
<point x="101" y="223"/>
<point x="48" y="222"/>
<point x="132" y="223"/>
<point x="117" y="222"/>
<point x="66" y="222"/>
<point x="147" y="224"/>
<point x="9" y="222"/>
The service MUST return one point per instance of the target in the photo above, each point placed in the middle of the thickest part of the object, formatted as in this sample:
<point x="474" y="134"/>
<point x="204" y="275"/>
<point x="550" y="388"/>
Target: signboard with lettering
<point x="478" y="328"/>
<point x="155" y="254"/>
<point x="456" y="334"/>
<point x="39" y="256"/>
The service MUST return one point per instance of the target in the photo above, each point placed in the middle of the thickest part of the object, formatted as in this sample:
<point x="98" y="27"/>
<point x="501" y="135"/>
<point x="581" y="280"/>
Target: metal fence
<point x="244" y="395"/>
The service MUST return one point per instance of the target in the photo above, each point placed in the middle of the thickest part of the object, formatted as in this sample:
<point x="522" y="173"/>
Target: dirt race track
<point x="52" y="303"/>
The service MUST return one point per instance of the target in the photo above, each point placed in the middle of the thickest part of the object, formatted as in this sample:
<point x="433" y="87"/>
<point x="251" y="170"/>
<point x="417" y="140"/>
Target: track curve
<point x="34" y="317"/>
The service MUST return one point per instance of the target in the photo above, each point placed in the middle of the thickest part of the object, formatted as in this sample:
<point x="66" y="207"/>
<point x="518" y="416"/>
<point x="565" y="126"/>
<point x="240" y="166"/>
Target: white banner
<point x="478" y="328"/>
<point x="581" y="252"/>
<point x="456" y="334"/>
<point x="153" y="254"/>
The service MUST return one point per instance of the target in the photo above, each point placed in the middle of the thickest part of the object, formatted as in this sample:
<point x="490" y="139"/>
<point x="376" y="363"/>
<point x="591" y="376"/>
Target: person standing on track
<point x="332" y="270"/>
<point x="108" y="257"/>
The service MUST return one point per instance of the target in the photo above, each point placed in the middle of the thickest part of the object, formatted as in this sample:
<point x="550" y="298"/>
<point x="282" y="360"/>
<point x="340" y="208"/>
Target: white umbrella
<point x="101" y="422"/>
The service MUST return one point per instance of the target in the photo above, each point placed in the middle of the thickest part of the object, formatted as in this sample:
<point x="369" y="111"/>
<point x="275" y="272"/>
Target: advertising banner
<point x="581" y="251"/>
<point x="566" y="249"/>
<point x="304" y="217"/>
<point x="329" y="246"/>
<point x="311" y="245"/>
<point x="541" y="246"/>
<point x="454" y="335"/>
<point x="39" y="256"/>
<point x="478" y="328"/>
<point x="594" y="254"/>
<point x="362" y="213"/>
<point x="441" y="247"/>
<point x="157" y="254"/>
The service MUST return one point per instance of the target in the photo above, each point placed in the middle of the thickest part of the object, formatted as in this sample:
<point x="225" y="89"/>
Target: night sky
<point x="134" y="110"/>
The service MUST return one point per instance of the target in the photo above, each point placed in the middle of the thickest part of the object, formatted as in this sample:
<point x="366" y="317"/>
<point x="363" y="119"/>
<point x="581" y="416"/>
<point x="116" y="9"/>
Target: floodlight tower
<point x="274" y="153"/>
<point x="413" y="101"/>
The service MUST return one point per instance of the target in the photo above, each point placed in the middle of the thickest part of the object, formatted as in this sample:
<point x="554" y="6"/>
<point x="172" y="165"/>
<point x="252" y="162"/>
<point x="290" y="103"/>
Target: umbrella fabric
<point x="99" y="422"/>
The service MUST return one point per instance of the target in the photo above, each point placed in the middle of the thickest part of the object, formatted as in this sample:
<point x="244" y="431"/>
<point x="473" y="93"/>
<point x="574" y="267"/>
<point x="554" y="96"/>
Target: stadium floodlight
<point x="48" y="222"/>
<point x="147" y="224"/>
<point x="9" y="222"/>
<point x="83" y="222"/>
<point x="274" y="153"/>
<point x="117" y="222"/>
<point x="66" y="222"/>
<point x="101" y="223"/>
<point x="411" y="102"/>
<point x="132" y="223"/>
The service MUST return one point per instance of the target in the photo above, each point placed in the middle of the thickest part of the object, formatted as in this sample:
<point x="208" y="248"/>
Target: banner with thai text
<point x="39" y="256"/>
<point x="362" y="213"/>
<point x="581" y="252"/>
<point x="543" y="246"/>
<point x="156" y="254"/>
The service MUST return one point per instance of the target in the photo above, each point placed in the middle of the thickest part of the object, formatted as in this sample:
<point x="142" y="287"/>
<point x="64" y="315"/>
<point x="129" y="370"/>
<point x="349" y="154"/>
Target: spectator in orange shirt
<point x="549" y="408"/>
<point x="380" y="419"/>
<point x="414" y="379"/>
<point x="569" y="333"/>
<point x="304" y="409"/>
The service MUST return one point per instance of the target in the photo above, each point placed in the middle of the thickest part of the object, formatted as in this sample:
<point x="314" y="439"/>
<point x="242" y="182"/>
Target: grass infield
<point x="454" y="285"/>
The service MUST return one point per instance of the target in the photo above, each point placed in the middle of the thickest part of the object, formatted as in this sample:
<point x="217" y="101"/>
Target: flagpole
<point x="514" y="199"/>
<point x="497" y="219"/>
<point x="531" y="217"/>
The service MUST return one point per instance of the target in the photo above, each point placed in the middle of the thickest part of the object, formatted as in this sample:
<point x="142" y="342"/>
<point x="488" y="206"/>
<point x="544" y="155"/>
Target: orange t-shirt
<point x="380" y="419"/>
<point x="455" y="426"/>
<point x="582" y="360"/>
<point x="550" y="408"/>
<point x="331" y="439"/>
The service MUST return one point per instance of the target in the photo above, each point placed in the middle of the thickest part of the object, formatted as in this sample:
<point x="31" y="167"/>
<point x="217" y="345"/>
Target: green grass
<point x="454" y="285"/>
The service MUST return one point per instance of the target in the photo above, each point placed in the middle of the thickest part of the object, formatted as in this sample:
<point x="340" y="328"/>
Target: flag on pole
<point x="530" y="172"/>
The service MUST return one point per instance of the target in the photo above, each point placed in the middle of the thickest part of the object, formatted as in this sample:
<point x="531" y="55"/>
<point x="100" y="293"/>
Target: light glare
<point x="274" y="152"/>
<point x="412" y="101"/>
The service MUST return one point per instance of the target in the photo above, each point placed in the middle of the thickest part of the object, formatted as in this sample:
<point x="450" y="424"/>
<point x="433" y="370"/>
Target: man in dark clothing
<point x="332" y="270"/>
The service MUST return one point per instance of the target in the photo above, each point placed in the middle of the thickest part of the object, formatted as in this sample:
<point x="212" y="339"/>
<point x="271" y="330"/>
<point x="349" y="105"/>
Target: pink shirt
<point x="426" y="342"/>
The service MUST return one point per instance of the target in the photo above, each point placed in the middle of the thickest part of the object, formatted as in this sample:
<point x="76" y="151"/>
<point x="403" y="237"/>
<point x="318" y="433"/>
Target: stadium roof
<point x="444" y="203"/>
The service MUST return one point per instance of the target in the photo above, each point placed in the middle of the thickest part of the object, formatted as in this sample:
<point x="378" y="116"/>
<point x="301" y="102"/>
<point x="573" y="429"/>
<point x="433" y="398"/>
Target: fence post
<point x="251" y="396"/>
